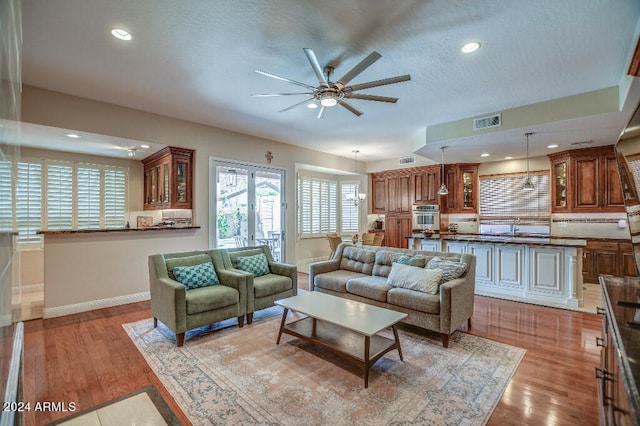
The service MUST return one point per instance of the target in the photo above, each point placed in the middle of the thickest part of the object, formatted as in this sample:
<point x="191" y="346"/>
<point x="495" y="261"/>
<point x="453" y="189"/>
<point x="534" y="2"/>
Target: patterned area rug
<point x="235" y="376"/>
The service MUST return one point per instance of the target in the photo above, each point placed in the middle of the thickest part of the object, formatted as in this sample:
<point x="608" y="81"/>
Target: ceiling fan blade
<point x="363" y="65"/>
<point x="322" y="80"/>
<point x="268" y="74"/>
<point x="264" y="95"/>
<point x="296" y="105"/>
<point x="376" y="83"/>
<point x="320" y="112"/>
<point x="370" y="97"/>
<point x="349" y="107"/>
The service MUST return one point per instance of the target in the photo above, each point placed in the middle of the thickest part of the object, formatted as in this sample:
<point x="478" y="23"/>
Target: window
<point x="317" y="201"/>
<point x="60" y="195"/>
<point x="502" y="196"/>
<point x="349" y="222"/>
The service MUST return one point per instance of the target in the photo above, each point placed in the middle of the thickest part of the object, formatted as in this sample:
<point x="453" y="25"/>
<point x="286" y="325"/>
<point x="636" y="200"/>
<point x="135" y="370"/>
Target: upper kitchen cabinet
<point x="462" y="182"/>
<point x="378" y="195"/>
<point x="425" y="184"/>
<point x="398" y="194"/>
<point x="586" y="180"/>
<point x="168" y="179"/>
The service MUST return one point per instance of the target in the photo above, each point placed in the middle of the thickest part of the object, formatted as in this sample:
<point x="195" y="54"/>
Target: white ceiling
<point x="195" y="60"/>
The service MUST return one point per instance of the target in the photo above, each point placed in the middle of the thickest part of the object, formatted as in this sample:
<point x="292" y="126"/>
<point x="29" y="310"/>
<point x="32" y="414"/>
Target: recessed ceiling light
<point x="485" y="154"/>
<point x="508" y="158"/>
<point x="470" y="47"/>
<point x="145" y="146"/>
<point x="553" y="145"/>
<point x="72" y="135"/>
<point x="121" y="34"/>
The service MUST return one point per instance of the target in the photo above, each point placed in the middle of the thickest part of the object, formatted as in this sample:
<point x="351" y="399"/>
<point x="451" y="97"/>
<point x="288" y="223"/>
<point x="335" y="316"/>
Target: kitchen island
<point x="542" y="270"/>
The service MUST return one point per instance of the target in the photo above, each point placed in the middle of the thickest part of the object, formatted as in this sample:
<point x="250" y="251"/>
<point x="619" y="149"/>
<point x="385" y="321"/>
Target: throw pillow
<point x="413" y="278"/>
<point x="196" y="276"/>
<point x="450" y="270"/>
<point x="256" y="264"/>
<point x="418" y="261"/>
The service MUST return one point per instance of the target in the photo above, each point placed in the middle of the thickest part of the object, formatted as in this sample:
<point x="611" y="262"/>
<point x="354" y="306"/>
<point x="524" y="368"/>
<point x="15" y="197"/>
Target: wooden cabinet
<point x="168" y="179"/>
<point x="396" y="228"/>
<point x="398" y="194"/>
<point x="462" y="182"/>
<point x="607" y="258"/>
<point x="378" y="195"/>
<point x="586" y="180"/>
<point x="424" y="186"/>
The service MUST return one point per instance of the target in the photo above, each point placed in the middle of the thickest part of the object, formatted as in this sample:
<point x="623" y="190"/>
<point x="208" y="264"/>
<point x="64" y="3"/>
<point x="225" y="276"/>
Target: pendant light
<point x="356" y="197"/>
<point x="528" y="185"/>
<point x="443" y="188"/>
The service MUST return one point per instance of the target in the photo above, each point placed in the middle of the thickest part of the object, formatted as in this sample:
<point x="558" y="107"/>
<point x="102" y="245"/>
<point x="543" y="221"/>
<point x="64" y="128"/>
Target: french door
<point x="248" y="206"/>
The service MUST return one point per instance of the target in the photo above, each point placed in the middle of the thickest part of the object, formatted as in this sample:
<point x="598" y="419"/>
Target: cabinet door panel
<point x="612" y="185"/>
<point x="379" y="198"/>
<point x="392" y="194"/>
<point x="404" y="195"/>
<point x="431" y="186"/>
<point x="418" y="188"/>
<point x="605" y="263"/>
<point x="587" y="183"/>
<point x="509" y="266"/>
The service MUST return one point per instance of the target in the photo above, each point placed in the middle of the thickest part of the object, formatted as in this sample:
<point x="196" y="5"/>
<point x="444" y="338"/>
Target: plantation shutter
<point x="88" y="197"/>
<point x="318" y="213"/>
<point x="59" y="196"/>
<point x="6" y="197"/>
<point x="115" y="197"/>
<point x="28" y="209"/>
<point x="350" y="223"/>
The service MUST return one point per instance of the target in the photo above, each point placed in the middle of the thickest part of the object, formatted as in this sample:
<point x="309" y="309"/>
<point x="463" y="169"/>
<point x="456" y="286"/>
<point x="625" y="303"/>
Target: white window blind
<point x="115" y="197"/>
<point x="502" y="196"/>
<point x="350" y="223"/>
<point x="6" y="197"/>
<point x="28" y="201"/>
<point x="88" y="192"/>
<point x="317" y="200"/>
<point x="59" y="196"/>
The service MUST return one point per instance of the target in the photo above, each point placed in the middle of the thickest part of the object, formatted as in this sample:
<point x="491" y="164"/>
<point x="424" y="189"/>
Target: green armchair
<point x="182" y="309"/>
<point x="280" y="281"/>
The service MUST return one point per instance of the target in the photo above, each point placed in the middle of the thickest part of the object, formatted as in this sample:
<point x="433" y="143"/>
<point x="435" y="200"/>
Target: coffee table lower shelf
<point x="363" y="349"/>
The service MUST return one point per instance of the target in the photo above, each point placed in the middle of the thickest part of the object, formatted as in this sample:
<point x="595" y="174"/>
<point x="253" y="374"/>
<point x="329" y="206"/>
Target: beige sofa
<point x="360" y="273"/>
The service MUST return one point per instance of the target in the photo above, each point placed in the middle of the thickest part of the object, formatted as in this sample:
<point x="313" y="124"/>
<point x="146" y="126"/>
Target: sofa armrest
<point x="322" y="267"/>
<point x="285" y="269"/>
<point x="240" y="281"/>
<point x="168" y="303"/>
<point x="456" y="303"/>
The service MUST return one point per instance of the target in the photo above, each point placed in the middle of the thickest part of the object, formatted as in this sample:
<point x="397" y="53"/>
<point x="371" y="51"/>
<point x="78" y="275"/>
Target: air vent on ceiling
<point x="408" y="160"/>
<point x="487" y="122"/>
<point x="580" y="143"/>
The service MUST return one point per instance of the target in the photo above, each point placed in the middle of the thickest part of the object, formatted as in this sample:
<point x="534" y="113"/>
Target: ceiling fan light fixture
<point x="121" y="34"/>
<point x="312" y="105"/>
<point x="328" y="99"/>
<point x="470" y="47"/>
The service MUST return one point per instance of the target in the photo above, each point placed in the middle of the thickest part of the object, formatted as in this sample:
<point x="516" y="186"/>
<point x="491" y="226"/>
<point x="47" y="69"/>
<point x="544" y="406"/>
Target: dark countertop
<point x="508" y="239"/>
<point x="626" y="339"/>
<point x="93" y="231"/>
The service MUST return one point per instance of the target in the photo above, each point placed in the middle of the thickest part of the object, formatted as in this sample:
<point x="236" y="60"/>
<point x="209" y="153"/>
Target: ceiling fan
<point x="329" y="93"/>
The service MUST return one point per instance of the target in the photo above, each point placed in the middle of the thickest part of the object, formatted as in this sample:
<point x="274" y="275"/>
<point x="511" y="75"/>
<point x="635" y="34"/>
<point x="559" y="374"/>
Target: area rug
<point x="240" y="376"/>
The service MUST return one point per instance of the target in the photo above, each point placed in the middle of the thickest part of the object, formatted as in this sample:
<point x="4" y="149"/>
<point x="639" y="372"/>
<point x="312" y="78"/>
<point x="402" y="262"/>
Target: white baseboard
<point x="77" y="308"/>
<point x="303" y="265"/>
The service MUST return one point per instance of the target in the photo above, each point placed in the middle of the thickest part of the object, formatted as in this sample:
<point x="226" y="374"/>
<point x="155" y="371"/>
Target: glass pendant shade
<point x="528" y="185"/>
<point x="356" y="197"/>
<point x="443" y="188"/>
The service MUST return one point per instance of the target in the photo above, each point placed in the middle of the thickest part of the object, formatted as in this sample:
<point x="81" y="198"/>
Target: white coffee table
<point x="345" y="327"/>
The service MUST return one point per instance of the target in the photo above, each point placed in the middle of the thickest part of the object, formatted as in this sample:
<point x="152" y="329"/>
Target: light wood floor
<point x="89" y="359"/>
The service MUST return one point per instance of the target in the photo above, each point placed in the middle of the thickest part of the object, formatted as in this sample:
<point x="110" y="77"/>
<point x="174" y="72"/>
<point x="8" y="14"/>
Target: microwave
<point x="426" y="216"/>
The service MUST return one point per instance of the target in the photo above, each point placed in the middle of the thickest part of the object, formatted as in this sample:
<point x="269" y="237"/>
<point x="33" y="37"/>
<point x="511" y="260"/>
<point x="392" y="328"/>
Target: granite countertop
<point x="508" y="239"/>
<point x="93" y="231"/>
<point x="625" y="323"/>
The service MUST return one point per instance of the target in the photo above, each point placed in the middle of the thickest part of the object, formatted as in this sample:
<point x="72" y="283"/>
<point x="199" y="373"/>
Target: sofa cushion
<point x="357" y="260"/>
<point x="335" y="280"/>
<point x="196" y="276"/>
<point x="210" y="298"/>
<point x="450" y="270"/>
<point x="256" y="264"/>
<point x="172" y="262"/>
<point x="267" y="285"/>
<point x="384" y="261"/>
<point x="419" y="261"/>
<point x="371" y="287"/>
<point x="234" y="254"/>
<point x="416" y="300"/>
<point x="414" y="278"/>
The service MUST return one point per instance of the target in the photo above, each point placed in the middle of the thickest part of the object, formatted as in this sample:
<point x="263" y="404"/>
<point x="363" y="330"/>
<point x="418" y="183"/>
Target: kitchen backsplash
<point x="590" y="225"/>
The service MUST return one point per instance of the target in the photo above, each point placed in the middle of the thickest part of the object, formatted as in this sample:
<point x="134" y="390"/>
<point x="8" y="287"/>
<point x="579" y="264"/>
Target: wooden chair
<point x="240" y="242"/>
<point x="334" y="240"/>
<point x="377" y="240"/>
<point x="367" y="239"/>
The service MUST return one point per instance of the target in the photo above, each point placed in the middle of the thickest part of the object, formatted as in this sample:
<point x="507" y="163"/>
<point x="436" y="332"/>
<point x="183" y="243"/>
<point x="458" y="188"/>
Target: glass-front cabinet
<point x="560" y="184"/>
<point x="468" y="189"/>
<point x="168" y="177"/>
